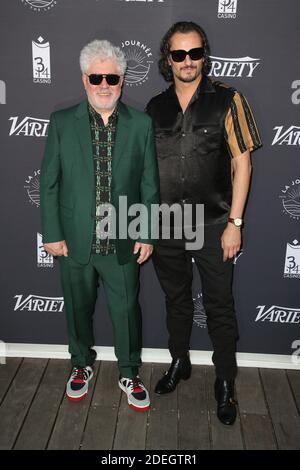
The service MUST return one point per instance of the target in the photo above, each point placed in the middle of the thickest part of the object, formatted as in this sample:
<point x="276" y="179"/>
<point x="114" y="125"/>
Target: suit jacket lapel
<point x="123" y="126"/>
<point x="83" y="131"/>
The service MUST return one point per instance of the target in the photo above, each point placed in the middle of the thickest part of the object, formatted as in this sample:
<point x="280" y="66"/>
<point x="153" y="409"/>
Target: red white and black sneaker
<point x="137" y="395"/>
<point x="77" y="386"/>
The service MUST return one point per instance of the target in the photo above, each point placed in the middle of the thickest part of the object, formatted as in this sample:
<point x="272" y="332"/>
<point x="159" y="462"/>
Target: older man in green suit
<point x="96" y="152"/>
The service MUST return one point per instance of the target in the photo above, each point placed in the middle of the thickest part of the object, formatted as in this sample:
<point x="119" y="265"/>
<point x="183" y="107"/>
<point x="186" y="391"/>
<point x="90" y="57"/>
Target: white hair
<point x="102" y="50"/>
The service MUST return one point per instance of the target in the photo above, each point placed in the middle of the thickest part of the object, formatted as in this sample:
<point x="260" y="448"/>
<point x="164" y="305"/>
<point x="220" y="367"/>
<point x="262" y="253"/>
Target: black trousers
<point x="173" y="265"/>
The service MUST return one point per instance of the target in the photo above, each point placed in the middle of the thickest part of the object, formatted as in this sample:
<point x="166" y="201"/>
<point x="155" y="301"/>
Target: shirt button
<point x="183" y="134"/>
<point x="205" y="131"/>
<point x="183" y="157"/>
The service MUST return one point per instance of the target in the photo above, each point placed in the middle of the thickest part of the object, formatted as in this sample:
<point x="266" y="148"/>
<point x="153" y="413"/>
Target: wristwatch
<point x="238" y="222"/>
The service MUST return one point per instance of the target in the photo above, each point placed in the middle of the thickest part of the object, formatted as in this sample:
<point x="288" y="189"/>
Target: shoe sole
<point x="82" y="397"/>
<point x="131" y="405"/>
<point x="139" y="409"/>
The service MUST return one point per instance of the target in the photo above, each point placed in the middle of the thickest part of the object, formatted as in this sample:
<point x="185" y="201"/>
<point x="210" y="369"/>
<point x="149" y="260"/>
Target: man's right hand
<point x="56" y="248"/>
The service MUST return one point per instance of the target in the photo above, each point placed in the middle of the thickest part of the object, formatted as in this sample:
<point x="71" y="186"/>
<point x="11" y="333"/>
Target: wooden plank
<point x="69" y="426"/>
<point x="163" y="417"/>
<point x="7" y="373"/>
<point x="18" y="399"/>
<point x="100" y="429"/>
<point x="193" y="426"/>
<point x="294" y="380"/>
<point x="249" y="392"/>
<point x="282" y="408"/>
<point x="225" y="437"/>
<point x="41" y="417"/>
<point x="132" y="425"/>
<point x="222" y="436"/>
<point x="258" y="432"/>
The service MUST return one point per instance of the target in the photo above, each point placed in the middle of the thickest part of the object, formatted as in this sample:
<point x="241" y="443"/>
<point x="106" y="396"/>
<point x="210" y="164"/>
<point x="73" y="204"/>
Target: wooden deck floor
<point x="34" y="413"/>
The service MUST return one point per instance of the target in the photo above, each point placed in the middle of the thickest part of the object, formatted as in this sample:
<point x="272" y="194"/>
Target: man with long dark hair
<point x="205" y="132"/>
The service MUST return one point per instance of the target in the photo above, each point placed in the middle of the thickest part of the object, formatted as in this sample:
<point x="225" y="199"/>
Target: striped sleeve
<point x="241" y="132"/>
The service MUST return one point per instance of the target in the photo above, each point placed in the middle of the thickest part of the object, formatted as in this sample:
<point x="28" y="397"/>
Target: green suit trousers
<point x="121" y="285"/>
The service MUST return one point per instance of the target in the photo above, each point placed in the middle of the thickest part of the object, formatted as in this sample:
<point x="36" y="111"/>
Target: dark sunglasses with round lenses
<point x="111" y="78"/>
<point x="195" y="54"/>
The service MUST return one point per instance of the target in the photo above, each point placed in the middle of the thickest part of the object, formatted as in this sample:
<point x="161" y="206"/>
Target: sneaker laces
<point x="137" y="385"/>
<point x="79" y="375"/>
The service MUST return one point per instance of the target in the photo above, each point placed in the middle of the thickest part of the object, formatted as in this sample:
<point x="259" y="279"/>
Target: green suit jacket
<point x="67" y="182"/>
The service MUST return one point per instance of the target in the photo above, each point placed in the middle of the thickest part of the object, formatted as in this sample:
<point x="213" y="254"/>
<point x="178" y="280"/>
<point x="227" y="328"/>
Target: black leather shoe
<point x="179" y="369"/>
<point x="224" y="393"/>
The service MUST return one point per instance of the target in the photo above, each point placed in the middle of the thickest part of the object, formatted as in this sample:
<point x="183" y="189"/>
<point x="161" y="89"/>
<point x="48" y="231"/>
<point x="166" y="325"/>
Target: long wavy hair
<point x="182" y="27"/>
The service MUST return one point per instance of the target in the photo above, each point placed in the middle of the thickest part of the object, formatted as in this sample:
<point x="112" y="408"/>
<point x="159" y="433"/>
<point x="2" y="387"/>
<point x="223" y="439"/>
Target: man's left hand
<point x="231" y="241"/>
<point x="145" y="251"/>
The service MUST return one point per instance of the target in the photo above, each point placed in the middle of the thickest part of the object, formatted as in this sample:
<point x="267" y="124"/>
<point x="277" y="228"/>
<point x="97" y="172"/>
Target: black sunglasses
<point x="111" y="78"/>
<point x="195" y="54"/>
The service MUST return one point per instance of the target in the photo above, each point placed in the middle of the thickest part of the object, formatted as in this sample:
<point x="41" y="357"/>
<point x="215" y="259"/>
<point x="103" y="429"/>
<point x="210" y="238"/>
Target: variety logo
<point x="2" y="92"/>
<point x="44" y="259"/>
<point x="276" y="314"/>
<point x="32" y="187"/>
<point x="41" y="61"/>
<point x="38" y="303"/>
<point x="290" y="136"/>
<point x="199" y="312"/>
<point x="139" y="59"/>
<point x="233" y="67"/>
<point x="290" y="197"/>
<point x="296" y="94"/>
<point x="227" y="8"/>
<point x="39" y="5"/>
<point x="292" y="260"/>
<point x="29" y="126"/>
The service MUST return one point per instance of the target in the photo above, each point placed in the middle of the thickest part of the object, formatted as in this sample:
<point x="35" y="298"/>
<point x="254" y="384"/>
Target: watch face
<point x="238" y="222"/>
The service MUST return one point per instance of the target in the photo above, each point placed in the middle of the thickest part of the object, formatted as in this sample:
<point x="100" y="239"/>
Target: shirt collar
<point x="205" y="86"/>
<point x="94" y="115"/>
